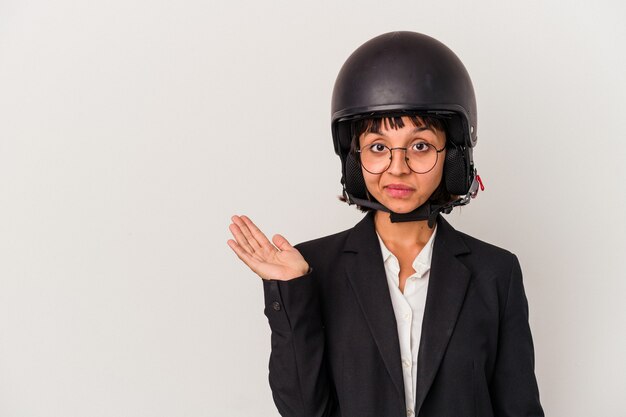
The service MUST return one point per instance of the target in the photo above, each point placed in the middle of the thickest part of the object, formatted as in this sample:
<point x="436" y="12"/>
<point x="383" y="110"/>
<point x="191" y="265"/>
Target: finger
<point x="242" y="241"/>
<point x="243" y="255"/>
<point x="246" y="232"/>
<point x="256" y="232"/>
<point x="281" y="243"/>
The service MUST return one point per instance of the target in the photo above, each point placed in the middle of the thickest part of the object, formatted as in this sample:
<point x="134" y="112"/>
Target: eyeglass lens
<point x="421" y="157"/>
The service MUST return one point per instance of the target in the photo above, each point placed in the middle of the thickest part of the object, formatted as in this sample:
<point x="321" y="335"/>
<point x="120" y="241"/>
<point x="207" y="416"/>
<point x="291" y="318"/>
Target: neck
<point x="402" y="234"/>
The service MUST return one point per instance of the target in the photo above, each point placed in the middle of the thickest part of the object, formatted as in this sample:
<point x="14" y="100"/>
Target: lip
<point x="398" y="190"/>
<point x="399" y="187"/>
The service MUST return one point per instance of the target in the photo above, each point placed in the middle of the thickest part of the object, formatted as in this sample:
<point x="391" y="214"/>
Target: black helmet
<point x="402" y="73"/>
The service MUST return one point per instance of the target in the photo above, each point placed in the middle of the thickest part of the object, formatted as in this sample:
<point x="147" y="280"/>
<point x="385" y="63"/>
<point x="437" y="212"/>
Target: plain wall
<point x="132" y="130"/>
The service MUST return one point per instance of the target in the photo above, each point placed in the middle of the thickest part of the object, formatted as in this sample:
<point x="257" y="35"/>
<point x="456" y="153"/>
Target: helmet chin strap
<point x="426" y="211"/>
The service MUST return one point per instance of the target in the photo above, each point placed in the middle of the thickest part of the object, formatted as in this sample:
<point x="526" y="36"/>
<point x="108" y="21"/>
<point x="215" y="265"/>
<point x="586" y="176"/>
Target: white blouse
<point x="409" y="311"/>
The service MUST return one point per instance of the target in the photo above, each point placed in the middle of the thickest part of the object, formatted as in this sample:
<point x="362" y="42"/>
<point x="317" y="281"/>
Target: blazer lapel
<point x="366" y="273"/>
<point x="447" y="286"/>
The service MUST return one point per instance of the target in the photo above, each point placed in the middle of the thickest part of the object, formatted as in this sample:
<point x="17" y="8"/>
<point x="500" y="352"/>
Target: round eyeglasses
<point x="421" y="157"/>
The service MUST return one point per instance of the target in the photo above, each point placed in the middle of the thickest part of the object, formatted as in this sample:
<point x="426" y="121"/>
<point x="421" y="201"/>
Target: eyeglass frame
<point x="406" y="159"/>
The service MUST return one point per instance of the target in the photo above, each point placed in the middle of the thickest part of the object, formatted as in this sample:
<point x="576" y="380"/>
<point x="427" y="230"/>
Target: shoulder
<point x="485" y="257"/>
<point x="484" y="248"/>
<point x="325" y="246"/>
<point x="361" y="236"/>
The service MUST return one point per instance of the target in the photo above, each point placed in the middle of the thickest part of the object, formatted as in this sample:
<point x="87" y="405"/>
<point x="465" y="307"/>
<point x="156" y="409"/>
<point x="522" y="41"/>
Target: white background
<point x="131" y="130"/>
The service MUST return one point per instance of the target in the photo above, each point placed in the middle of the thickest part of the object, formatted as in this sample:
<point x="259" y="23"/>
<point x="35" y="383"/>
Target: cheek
<point x="371" y="181"/>
<point x="434" y="177"/>
<point x="440" y="163"/>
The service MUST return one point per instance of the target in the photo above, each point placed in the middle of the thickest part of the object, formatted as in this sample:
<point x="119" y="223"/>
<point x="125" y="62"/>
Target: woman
<point x="400" y="315"/>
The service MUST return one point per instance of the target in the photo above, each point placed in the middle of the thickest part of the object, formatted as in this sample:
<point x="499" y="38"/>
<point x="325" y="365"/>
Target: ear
<point x="457" y="170"/>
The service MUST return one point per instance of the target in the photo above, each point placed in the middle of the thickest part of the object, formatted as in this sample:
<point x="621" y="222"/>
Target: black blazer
<point x="335" y="349"/>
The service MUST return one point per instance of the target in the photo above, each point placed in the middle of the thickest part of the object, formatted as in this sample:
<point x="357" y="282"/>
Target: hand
<point x="281" y="262"/>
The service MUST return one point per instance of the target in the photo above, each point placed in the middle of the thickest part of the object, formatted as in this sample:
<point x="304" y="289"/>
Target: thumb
<point x="281" y="243"/>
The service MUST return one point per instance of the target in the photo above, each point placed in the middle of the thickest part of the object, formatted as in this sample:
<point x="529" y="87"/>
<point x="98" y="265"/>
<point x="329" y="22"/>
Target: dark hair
<point x="374" y="124"/>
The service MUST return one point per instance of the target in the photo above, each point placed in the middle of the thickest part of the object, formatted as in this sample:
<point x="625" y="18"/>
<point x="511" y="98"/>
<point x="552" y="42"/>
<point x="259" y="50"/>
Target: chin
<point x="402" y="208"/>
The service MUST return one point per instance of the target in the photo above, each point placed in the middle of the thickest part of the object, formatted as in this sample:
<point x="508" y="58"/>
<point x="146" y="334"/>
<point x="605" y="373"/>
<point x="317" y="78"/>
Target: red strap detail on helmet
<point x="480" y="182"/>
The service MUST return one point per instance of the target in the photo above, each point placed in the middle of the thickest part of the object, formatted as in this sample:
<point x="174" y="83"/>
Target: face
<point x="398" y="188"/>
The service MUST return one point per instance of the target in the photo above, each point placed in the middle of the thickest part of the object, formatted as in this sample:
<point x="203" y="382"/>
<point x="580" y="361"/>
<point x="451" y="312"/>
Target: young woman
<point x="400" y="315"/>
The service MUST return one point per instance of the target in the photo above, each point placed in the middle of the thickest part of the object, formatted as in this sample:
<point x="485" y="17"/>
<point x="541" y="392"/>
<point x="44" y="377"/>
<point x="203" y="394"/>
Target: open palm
<point x="279" y="261"/>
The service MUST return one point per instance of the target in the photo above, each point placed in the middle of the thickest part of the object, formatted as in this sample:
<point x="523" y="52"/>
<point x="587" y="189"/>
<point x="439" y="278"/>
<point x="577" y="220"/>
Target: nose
<point x="399" y="164"/>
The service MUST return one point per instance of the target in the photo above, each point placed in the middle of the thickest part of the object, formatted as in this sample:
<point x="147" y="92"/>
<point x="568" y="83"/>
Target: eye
<point x="420" y="147"/>
<point x="376" y="148"/>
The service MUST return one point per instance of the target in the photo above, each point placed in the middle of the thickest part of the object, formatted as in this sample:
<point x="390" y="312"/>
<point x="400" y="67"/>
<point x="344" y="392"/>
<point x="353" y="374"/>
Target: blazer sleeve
<point x="298" y="375"/>
<point x="514" y="390"/>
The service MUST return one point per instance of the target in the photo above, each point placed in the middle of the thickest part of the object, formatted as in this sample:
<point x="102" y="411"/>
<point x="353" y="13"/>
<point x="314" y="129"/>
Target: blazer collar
<point x="361" y="233"/>
<point x="448" y="283"/>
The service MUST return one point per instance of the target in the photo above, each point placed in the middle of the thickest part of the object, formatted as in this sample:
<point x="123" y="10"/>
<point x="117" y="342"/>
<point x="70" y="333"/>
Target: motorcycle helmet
<point x="407" y="73"/>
